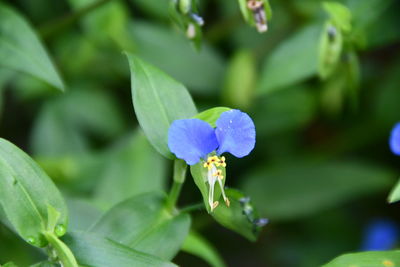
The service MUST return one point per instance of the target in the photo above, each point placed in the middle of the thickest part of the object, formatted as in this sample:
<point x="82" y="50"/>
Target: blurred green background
<point x="321" y="170"/>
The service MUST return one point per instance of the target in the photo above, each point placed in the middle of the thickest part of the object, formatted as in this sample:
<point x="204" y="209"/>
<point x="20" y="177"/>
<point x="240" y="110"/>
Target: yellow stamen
<point x="214" y="205"/>
<point x="227" y="202"/>
<point x="214" y="175"/>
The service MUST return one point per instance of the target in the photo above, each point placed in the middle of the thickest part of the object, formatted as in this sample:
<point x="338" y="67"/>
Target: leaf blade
<point x="158" y="101"/>
<point x="25" y="193"/>
<point x="21" y="50"/>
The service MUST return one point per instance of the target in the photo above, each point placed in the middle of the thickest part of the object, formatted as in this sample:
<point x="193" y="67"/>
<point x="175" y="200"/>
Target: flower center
<point x="214" y="164"/>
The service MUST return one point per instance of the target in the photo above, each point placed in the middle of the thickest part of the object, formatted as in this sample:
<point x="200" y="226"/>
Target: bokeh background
<point x="321" y="171"/>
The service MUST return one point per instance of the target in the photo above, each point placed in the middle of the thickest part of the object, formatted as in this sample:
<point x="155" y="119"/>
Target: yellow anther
<point x="212" y="159"/>
<point x="227" y="202"/>
<point x="218" y="173"/>
<point x="214" y="205"/>
<point x="221" y="162"/>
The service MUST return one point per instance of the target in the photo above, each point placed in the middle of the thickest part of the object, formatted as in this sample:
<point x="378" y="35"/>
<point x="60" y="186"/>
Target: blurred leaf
<point x="284" y="111"/>
<point x="333" y="93"/>
<point x="72" y="117"/>
<point x="340" y="15"/>
<point x="367" y="259"/>
<point x="240" y="80"/>
<point x="25" y="193"/>
<point x="200" y="177"/>
<point x="301" y="188"/>
<point x="384" y="31"/>
<point x="21" y="50"/>
<point x="82" y="213"/>
<point x="367" y="12"/>
<point x="196" y="245"/>
<point x="155" y="8"/>
<point x="330" y="49"/>
<point x="387" y="98"/>
<point x="92" y="250"/>
<point x="130" y="168"/>
<point x="241" y="216"/>
<point x="9" y="264"/>
<point x="5" y="77"/>
<point x="201" y="72"/>
<point x="158" y="101"/>
<point x="105" y="24"/>
<point x="211" y="115"/>
<point x="292" y="61"/>
<point x="395" y="193"/>
<point x="155" y="231"/>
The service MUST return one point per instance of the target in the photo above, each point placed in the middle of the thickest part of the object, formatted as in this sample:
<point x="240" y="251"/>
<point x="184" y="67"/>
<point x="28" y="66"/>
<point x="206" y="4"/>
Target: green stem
<point x="65" y="21"/>
<point x="193" y="207"/>
<point x="63" y="252"/>
<point x="180" y="168"/>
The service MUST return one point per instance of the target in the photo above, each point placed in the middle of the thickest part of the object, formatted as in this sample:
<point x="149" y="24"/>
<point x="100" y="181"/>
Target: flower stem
<point x="64" y="254"/>
<point x="65" y="21"/>
<point x="179" y="178"/>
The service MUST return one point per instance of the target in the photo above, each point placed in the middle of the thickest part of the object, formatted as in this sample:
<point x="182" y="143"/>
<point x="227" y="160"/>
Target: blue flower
<point x="195" y="141"/>
<point x="394" y="141"/>
<point x="191" y="139"/>
<point x="380" y="235"/>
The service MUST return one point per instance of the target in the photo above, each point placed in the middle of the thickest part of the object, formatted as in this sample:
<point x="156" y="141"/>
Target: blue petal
<point x="191" y="139"/>
<point x="380" y="235"/>
<point x="394" y="141"/>
<point x="236" y="133"/>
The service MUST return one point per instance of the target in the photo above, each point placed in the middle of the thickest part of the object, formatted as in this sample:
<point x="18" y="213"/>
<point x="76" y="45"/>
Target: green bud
<point x="184" y="6"/>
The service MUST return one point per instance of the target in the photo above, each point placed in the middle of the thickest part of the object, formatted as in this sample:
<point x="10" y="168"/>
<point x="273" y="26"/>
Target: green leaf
<point x="25" y="194"/>
<point x="330" y="49"/>
<point x="292" y="61"/>
<point x="241" y="216"/>
<point x="395" y="194"/>
<point x="9" y="264"/>
<point x="92" y="250"/>
<point x="21" y="50"/>
<point x="211" y="115"/>
<point x="201" y="71"/>
<point x="132" y="167"/>
<point x="200" y="247"/>
<point x="240" y="80"/>
<point x="367" y="259"/>
<point x="301" y="188"/>
<point x="340" y="15"/>
<point x="200" y="174"/>
<point x="155" y="231"/>
<point x="158" y="101"/>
